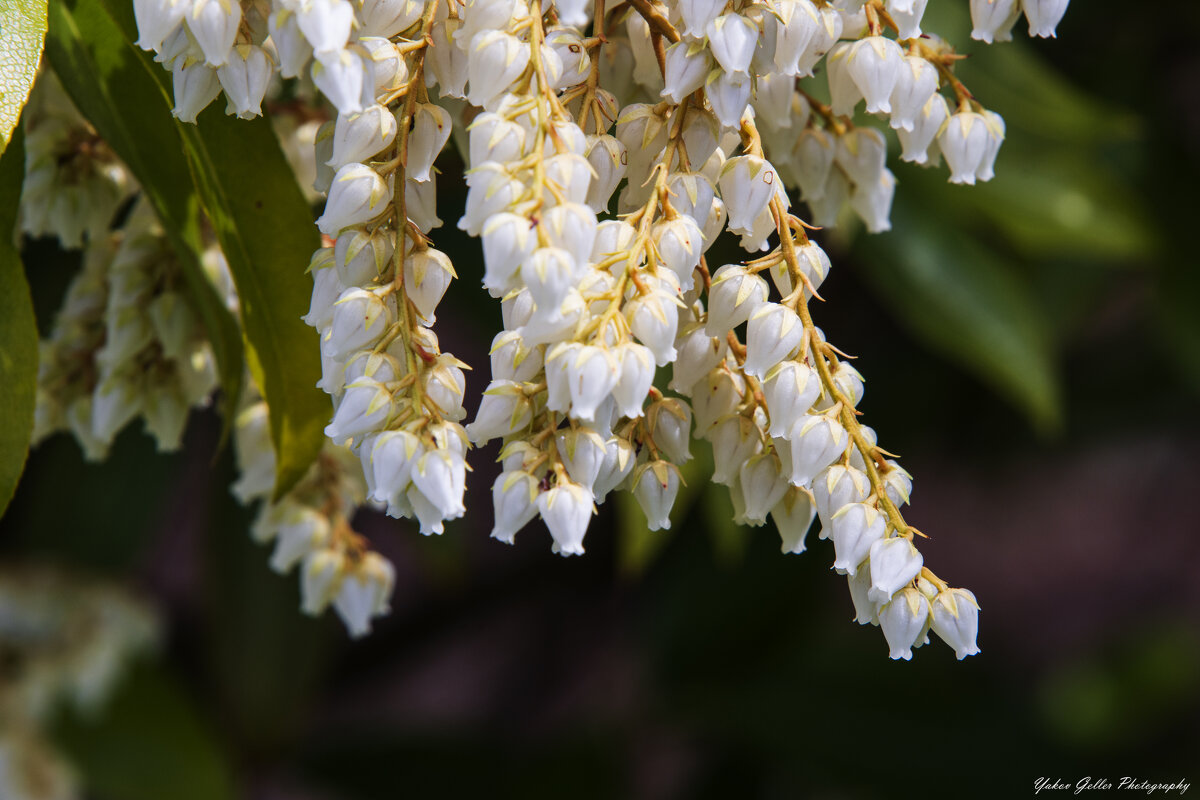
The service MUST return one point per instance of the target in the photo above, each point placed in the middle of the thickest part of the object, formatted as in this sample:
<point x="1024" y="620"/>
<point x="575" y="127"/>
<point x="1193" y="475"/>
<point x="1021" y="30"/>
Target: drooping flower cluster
<point x="691" y="118"/>
<point x="310" y="525"/>
<point x="65" y="641"/>
<point x="126" y="343"/>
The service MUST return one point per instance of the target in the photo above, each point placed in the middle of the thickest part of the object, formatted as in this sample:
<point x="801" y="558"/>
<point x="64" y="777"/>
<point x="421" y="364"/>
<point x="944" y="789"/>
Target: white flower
<point x="862" y="153"/>
<point x="728" y="94"/>
<point x="828" y="31"/>
<point x="698" y="354"/>
<point x="874" y="65"/>
<point x="844" y="93"/>
<point x="654" y="320"/>
<point x="571" y="174"/>
<point x="993" y="20"/>
<point x="244" y="78"/>
<point x="813" y="443"/>
<point x="607" y="157"/>
<point x="491" y="137"/>
<point x="996" y="131"/>
<point x="790" y="389"/>
<point x="214" y="24"/>
<point x="619" y="460"/>
<point x="732" y="39"/>
<point x="812" y="160"/>
<point x="508" y="240"/>
<point x="734" y="296"/>
<point x="321" y="579"/>
<point x="894" y="563"/>
<point x="440" y="476"/>
<point x="511" y="360"/>
<point x="926" y="124"/>
<point x="734" y="439"/>
<point x="495" y="60"/>
<point x="670" y="425"/>
<point x="837" y="487"/>
<point x="956" y="620"/>
<point x="1044" y="15"/>
<point x="687" y="66"/>
<point x="865" y="612"/>
<point x="592" y="374"/>
<point x="795" y="27"/>
<point x="387" y="18"/>
<point x="427" y="276"/>
<point x="793" y="516"/>
<point x="571" y="227"/>
<point x="747" y="183"/>
<point x="762" y="486"/>
<point x="916" y="83"/>
<point x="361" y="257"/>
<point x="905" y="621"/>
<point x="156" y="19"/>
<point x="907" y="15"/>
<point x="341" y="76"/>
<point x="854" y="529"/>
<point x="873" y="202"/>
<point x="697" y="14"/>
<point x="360" y="318"/>
<point x="291" y="46"/>
<point x="566" y="509"/>
<point x="325" y="23"/>
<point x="392" y="455"/>
<point x="365" y="407"/>
<point x="357" y="195"/>
<point x="549" y="272"/>
<point x="362" y="134"/>
<point x="364" y="593"/>
<point x="513" y="496"/>
<point x="503" y="410"/>
<point x="656" y="485"/>
<point x="634" y="379"/>
<point x="773" y="333"/>
<point x="965" y="141"/>
<point x="195" y="86"/>
<point x="715" y="396"/>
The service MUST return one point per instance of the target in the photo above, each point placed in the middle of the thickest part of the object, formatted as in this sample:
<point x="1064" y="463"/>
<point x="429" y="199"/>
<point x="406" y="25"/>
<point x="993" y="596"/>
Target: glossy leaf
<point x="963" y="302"/>
<point x="22" y="32"/>
<point x="18" y="333"/>
<point x="110" y="85"/>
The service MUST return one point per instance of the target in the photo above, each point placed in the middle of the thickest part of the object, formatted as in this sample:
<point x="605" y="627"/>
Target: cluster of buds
<point x="74" y="184"/>
<point x="705" y="112"/>
<point x="65" y="640"/>
<point x="311" y="525"/>
<point x="125" y="343"/>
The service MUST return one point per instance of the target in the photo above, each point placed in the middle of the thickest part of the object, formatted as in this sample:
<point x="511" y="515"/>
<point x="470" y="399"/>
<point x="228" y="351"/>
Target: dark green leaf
<point x="18" y="333"/>
<point x="111" y="85"/>
<point x="963" y="302"/>
<point x="22" y="32"/>
<point x="149" y="743"/>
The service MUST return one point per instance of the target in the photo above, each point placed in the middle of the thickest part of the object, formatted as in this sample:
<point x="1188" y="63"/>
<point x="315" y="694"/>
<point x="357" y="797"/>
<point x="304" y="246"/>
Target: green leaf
<point x="110" y="84"/>
<point x="18" y="332"/>
<point x="964" y="303"/>
<point x="22" y="32"/>
<point x="149" y="743"/>
<point x="266" y="230"/>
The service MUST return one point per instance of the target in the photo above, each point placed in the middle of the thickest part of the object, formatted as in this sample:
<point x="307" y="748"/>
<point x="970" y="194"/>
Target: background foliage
<point x="1032" y="348"/>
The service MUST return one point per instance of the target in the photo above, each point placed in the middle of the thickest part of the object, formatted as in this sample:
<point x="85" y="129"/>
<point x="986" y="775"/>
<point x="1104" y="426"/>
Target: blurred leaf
<point x="267" y="234"/>
<point x="963" y="302"/>
<point x="111" y="86"/>
<point x="18" y="332"/>
<point x="22" y="33"/>
<point x="148" y="743"/>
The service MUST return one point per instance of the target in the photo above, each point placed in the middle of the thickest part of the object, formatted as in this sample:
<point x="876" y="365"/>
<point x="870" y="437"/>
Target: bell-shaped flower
<point x="491" y="190"/>
<point x="582" y="452"/>
<point x="427" y="275"/>
<point x="244" y="78"/>
<point x="894" y="564"/>
<point x="905" y="620"/>
<point x="613" y="237"/>
<point x="341" y="76"/>
<point x="393" y="454"/>
<point x="608" y="160"/>
<point x="362" y="257"/>
<point x="679" y="243"/>
<point x="916" y="83"/>
<point x="571" y="174"/>
<point x="656" y="485"/>
<point x="654" y="320"/>
<point x="357" y="195"/>
<point x="729" y="95"/>
<point x="431" y="130"/>
<point x="566" y="509"/>
<point x="699" y="354"/>
<point x="156" y="19"/>
<point x="793" y="516"/>
<point x="325" y="23"/>
<point x="790" y="389"/>
<point x="796" y="24"/>
<point x="687" y="65"/>
<point x="386" y="18"/>
<point x="837" y="487"/>
<point x="825" y="35"/>
<point x="504" y="410"/>
<point x="747" y="184"/>
<point x="670" y="425"/>
<point x="965" y="141"/>
<point x="569" y="48"/>
<point x="291" y="46"/>
<point x="907" y="15"/>
<point x="327" y="288"/>
<point x="491" y="137"/>
<point x="697" y="14"/>
<point x="364" y="593"/>
<point x="440" y="476"/>
<point x="873" y="202"/>
<point x="556" y="324"/>
<point x="956" y="620"/>
<point x="592" y="374"/>
<point x="854" y="529"/>
<point x="214" y="25"/>
<point x="812" y="159"/>
<point x="992" y="20"/>
<point x="762" y="486"/>
<point x="619" y="460"/>
<point x="514" y="496"/>
<point x="773" y="333"/>
<point x="366" y="406"/>
<point x="862" y="153"/>
<point x="815" y="443"/>
<point x="734" y="439"/>
<point x="420" y="201"/>
<point x="548" y="273"/>
<point x="320" y="579"/>
<point x="445" y="385"/>
<point x="718" y="394"/>
<point x="844" y="93"/>
<point x="1044" y="16"/>
<point x="996" y="131"/>
<point x="643" y="131"/>
<point x="512" y="360"/>
<point x="571" y="227"/>
<point x="508" y="240"/>
<point x="917" y="141"/>
<point x="495" y="59"/>
<point x="195" y="86"/>
<point x="865" y="612"/>
<point x="360" y="319"/>
<point x="874" y="65"/>
<point x="734" y="296"/>
<point x="732" y="38"/>
<point x="636" y="375"/>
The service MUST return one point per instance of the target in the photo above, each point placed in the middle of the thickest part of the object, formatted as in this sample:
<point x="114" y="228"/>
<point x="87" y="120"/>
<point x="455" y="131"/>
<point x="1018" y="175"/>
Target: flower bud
<point x="592" y="374"/>
<point x="195" y="86"/>
<point x="362" y="258"/>
<point x="214" y="24"/>
<point x="793" y="516"/>
<point x="1044" y="16"/>
<point x="687" y="65"/>
<point x="514" y="496"/>
<point x="619" y="460"/>
<point x="773" y="333"/>
<point x="814" y="442"/>
<point x="360" y="318"/>
<point x="364" y="593"/>
<point x="874" y="64"/>
<point x="392" y="456"/>
<point x="854" y="529"/>
<point x="357" y="195"/>
<point x="244" y="78"/>
<point x="504" y="410"/>
<point x="365" y="407"/>
<point x="445" y="385"/>
<point x="992" y="20"/>
<point x="656" y="485"/>
<point x="926" y="124"/>
<point x="916" y="83"/>
<point x="964" y="141"/>
<point x="321" y="579"/>
<point x="762" y="486"/>
<point x="495" y="60"/>
<point x="956" y="619"/>
<point x="996" y="131"/>
<point x="669" y="422"/>
<point x="566" y="509"/>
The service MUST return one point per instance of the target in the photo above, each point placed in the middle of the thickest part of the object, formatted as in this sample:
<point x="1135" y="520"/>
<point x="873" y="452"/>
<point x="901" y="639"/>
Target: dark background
<point x="700" y="662"/>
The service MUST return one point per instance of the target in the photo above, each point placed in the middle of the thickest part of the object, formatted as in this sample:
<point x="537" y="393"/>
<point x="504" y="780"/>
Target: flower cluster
<point x="690" y="118"/>
<point x="125" y="343"/>
<point x="310" y="525"/>
<point x="65" y="640"/>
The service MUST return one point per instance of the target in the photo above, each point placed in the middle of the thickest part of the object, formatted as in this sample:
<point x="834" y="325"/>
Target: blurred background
<point x="1032" y="350"/>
